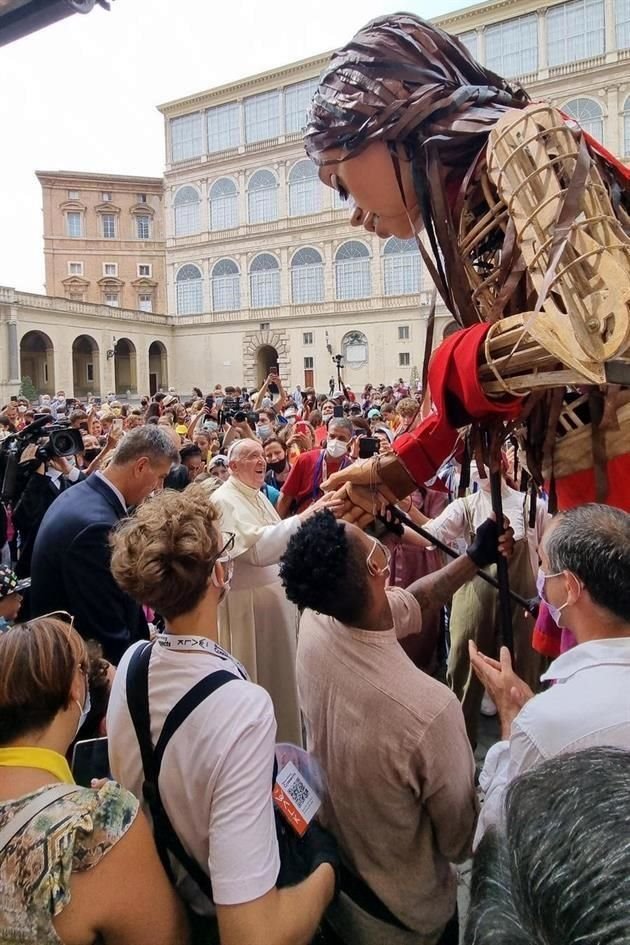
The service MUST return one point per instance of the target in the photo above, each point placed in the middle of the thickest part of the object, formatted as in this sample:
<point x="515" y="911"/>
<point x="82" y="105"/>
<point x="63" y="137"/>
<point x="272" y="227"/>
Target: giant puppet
<point x="526" y="219"/>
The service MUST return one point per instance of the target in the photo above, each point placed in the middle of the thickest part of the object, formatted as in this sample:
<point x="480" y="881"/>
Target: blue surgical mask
<point x="264" y="430"/>
<point x="555" y="612"/>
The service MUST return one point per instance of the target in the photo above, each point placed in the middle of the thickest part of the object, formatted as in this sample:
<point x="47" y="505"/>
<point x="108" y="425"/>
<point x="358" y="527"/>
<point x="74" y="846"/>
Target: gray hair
<point x="559" y="873"/>
<point x="150" y="441"/>
<point x="344" y="423"/>
<point x="593" y="542"/>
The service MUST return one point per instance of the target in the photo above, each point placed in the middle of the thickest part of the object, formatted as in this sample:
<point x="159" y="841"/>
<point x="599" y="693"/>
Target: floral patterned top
<point x="73" y="833"/>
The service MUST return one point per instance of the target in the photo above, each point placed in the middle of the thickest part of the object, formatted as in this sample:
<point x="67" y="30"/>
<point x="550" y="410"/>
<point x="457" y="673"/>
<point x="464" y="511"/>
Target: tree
<point x="28" y="389"/>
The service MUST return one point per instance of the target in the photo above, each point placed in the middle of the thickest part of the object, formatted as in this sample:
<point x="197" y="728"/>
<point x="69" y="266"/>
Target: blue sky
<point x="81" y="95"/>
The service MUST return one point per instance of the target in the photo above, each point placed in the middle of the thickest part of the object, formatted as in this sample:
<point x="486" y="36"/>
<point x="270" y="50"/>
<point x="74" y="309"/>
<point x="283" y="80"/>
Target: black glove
<point x="485" y="547"/>
<point x="300" y="856"/>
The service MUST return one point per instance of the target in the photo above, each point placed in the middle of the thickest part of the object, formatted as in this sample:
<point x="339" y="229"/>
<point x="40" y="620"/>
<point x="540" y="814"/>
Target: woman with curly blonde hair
<point x="216" y="773"/>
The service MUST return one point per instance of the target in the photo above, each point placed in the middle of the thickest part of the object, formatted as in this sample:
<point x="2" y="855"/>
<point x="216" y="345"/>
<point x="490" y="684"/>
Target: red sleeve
<point x="458" y="398"/>
<point x="294" y="484"/>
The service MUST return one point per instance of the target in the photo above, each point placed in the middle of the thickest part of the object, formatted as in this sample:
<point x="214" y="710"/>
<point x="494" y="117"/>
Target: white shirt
<point x="55" y="476"/>
<point x="587" y="707"/>
<point x="217" y="771"/>
<point x="452" y="527"/>
<point x="111" y="485"/>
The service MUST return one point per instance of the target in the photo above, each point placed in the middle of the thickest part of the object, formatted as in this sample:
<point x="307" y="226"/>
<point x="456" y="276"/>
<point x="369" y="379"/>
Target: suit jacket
<point x="39" y="494"/>
<point x="71" y="568"/>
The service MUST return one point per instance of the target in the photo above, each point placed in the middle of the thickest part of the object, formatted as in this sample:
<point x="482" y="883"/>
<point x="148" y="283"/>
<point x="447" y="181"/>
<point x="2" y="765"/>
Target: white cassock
<point x="257" y="624"/>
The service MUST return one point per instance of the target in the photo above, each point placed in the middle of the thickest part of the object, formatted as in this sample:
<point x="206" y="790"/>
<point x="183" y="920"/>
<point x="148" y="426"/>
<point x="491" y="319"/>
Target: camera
<point x="53" y="439"/>
<point x="368" y="446"/>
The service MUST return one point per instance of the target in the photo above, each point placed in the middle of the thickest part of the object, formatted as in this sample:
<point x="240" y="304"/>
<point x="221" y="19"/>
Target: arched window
<point x="262" y="197"/>
<point x="189" y="290"/>
<point x="304" y="189"/>
<point x="307" y="277"/>
<point x="626" y="128"/>
<point x="264" y="281"/>
<point x="352" y="271"/>
<point x="354" y="347"/>
<point x="401" y="267"/>
<point x="226" y="286"/>
<point x="588" y="114"/>
<point x="223" y="205"/>
<point x="186" y="205"/>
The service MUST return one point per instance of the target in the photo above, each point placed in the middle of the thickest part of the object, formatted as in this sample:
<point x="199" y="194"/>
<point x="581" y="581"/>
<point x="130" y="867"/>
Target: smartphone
<point x="90" y="759"/>
<point x="117" y="425"/>
<point x="210" y="401"/>
<point x="368" y="446"/>
<point x="338" y="411"/>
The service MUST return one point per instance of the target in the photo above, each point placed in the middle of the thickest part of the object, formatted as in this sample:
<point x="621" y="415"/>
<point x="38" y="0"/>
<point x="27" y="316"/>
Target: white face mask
<point x="554" y="612"/>
<point x="86" y="709"/>
<point x="336" y="448"/>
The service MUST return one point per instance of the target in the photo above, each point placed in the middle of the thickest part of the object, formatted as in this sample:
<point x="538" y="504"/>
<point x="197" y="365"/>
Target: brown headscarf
<point x="399" y="78"/>
<point x="403" y="80"/>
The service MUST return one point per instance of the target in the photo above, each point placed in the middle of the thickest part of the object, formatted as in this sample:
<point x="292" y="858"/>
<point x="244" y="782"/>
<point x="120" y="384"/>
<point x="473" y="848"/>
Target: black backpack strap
<point x="166" y="840"/>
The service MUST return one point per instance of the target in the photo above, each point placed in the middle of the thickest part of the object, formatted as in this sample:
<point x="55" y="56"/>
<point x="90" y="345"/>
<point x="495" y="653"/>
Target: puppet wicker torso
<point x="548" y="263"/>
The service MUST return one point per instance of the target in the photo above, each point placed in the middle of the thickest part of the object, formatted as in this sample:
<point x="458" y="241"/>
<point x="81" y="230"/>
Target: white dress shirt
<point x="588" y="706"/>
<point x="111" y="485"/>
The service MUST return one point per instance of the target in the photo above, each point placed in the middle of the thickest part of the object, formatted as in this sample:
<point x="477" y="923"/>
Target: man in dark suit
<point x="70" y="568"/>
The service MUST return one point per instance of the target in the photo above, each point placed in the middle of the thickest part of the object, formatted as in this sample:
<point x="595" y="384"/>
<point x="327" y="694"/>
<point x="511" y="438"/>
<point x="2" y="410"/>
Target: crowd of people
<point x="189" y="589"/>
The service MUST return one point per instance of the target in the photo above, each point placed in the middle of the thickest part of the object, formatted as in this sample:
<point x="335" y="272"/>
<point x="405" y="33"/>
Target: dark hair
<point x="593" y="542"/>
<point x="5" y="422"/>
<point x="275" y="439"/>
<point x="153" y="410"/>
<point x="558" y="873"/>
<point x="38" y="661"/>
<point x="324" y="571"/>
<point x="189" y="450"/>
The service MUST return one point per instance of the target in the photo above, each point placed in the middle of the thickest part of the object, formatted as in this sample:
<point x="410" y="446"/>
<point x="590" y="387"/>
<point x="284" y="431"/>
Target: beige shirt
<point x="400" y="772"/>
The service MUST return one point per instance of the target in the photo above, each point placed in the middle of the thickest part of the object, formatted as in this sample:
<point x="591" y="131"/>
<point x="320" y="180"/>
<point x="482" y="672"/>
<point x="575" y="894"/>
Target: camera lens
<point x="63" y="442"/>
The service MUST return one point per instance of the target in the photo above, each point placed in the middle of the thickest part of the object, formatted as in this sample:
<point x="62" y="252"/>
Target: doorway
<point x="267" y="361"/>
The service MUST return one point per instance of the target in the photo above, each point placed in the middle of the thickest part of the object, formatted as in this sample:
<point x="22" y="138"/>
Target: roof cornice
<point x="57" y="177"/>
<point x="292" y="72"/>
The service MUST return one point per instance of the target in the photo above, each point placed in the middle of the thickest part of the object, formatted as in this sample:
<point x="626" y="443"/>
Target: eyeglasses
<point x="373" y="568"/>
<point x="224" y="557"/>
<point x="61" y="615"/>
<point x="64" y="617"/>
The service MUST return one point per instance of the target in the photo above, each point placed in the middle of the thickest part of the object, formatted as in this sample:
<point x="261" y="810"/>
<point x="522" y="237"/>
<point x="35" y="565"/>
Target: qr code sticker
<point x="298" y="791"/>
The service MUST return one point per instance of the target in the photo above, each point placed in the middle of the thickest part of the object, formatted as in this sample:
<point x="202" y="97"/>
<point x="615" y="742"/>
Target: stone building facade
<point x="260" y="265"/>
<point x="104" y="239"/>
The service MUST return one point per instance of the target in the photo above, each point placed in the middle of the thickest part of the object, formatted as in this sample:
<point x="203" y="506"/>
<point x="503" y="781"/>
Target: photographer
<point x="44" y="484"/>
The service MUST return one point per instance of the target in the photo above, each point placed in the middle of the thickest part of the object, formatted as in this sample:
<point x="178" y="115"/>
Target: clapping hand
<point x="507" y="690"/>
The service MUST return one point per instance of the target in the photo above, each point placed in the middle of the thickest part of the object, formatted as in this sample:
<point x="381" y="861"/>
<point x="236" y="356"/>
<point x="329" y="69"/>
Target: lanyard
<point x="43" y="758"/>
<point x="321" y="473"/>
<point x="194" y="644"/>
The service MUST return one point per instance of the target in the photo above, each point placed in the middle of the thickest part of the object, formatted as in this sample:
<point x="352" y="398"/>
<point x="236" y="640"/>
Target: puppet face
<point x="370" y="179"/>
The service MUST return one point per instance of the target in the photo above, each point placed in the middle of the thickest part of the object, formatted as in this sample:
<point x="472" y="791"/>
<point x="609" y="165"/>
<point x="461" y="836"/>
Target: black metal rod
<point x="505" y="608"/>
<point x="404" y="520"/>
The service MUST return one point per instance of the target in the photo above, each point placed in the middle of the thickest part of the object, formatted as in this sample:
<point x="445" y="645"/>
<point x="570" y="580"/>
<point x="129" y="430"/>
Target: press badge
<point x="295" y="798"/>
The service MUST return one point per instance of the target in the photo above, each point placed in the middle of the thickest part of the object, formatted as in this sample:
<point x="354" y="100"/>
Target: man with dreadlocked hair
<point x="523" y="214"/>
